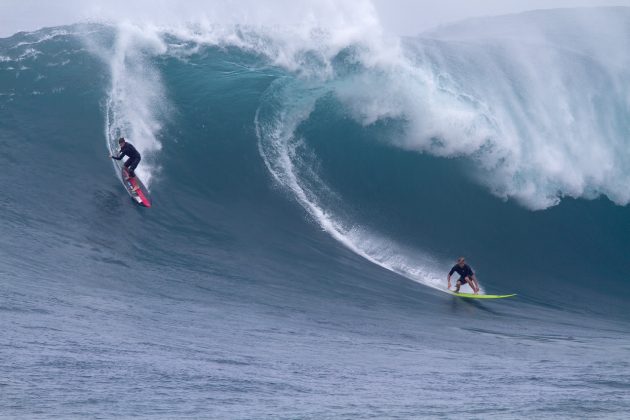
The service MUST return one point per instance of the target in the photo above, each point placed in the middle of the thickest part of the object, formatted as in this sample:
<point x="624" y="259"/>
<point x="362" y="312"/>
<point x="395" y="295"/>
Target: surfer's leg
<point x="470" y="283"/>
<point x="126" y="164"/>
<point x="474" y="283"/>
<point x="458" y="285"/>
<point x="132" y="165"/>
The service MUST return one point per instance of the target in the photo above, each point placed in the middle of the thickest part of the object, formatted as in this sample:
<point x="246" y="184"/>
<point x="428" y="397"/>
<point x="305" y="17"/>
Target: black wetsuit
<point x="134" y="157"/>
<point x="463" y="272"/>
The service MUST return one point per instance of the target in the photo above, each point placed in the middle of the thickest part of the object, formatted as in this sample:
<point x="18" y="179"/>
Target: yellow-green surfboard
<point x="473" y="296"/>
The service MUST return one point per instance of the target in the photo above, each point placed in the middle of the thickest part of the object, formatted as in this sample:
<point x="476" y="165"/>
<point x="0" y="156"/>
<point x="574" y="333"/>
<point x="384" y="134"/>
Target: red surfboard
<point x="136" y="189"/>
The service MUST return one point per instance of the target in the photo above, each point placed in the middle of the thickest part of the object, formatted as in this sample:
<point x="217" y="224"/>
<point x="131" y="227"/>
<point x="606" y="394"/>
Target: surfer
<point x="466" y="275"/>
<point x="127" y="149"/>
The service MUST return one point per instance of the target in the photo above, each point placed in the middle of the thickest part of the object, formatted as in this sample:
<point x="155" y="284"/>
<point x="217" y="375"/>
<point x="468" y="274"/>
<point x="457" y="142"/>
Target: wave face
<point x="311" y="188"/>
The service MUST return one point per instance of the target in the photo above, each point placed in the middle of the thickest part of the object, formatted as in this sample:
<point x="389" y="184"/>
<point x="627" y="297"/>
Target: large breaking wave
<point x="296" y="172"/>
<point x="532" y="117"/>
<point x="540" y="111"/>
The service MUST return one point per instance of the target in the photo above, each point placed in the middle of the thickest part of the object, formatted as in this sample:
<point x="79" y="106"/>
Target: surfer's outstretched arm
<point x="117" y="157"/>
<point x="450" y="273"/>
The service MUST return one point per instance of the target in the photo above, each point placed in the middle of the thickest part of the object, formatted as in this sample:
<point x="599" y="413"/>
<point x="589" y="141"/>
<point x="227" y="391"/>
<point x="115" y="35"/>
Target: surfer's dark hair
<point x="121" y="140"/>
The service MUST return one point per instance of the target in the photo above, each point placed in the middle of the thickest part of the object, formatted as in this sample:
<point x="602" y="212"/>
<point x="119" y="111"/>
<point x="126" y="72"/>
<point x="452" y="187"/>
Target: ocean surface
<point x="311" y="190"/>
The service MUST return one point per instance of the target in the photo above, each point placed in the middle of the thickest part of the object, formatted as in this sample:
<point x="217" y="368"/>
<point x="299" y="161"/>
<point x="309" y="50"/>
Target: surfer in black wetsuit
<point x="466" y="275"/>
<point x="127" y="149"/>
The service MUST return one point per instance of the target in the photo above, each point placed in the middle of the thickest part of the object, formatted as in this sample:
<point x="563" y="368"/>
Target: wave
<point x="533" y="119"/>
<point x="299" y="176"/>
<point x="540" y="116"/>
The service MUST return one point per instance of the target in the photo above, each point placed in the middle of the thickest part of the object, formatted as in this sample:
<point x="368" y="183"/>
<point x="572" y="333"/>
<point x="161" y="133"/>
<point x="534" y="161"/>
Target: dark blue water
<point x="294" y="262"/>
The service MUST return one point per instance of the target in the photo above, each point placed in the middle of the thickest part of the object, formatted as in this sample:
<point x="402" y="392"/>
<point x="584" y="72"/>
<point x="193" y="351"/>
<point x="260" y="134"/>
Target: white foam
<point x="528" y="110"/>
<point x="42" y="37"/>
<point x="137" y="105"/>
<point x="541" y="113"/>
<point x="29" y="53"/>
<point x="538" y="101"/>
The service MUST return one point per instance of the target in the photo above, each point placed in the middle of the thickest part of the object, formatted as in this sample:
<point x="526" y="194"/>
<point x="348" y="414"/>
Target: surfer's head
<point x="121" y="141"/>
<point x="461" y="261"/>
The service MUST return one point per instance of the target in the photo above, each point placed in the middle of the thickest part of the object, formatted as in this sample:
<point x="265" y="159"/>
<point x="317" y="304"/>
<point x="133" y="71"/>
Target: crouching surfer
<point x="127" y="149"/>
<point x="466" y="275"/>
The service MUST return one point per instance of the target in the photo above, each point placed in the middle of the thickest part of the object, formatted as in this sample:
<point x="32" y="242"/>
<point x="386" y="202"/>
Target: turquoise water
<point x="306" y="212"/>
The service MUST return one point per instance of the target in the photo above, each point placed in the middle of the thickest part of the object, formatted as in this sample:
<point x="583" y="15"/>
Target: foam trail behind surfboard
<point x="136" y="105"/>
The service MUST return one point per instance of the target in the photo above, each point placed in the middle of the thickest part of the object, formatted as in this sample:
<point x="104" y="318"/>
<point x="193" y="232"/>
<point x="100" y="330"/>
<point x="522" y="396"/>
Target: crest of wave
<point x="537" y="103"/>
